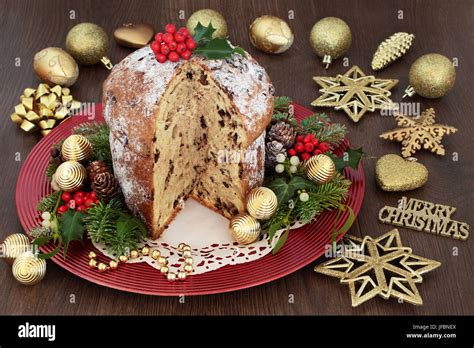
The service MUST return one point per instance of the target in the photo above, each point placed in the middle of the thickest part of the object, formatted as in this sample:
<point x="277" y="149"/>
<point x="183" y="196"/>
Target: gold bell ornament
<point x="76" y="148"/>
<point x="244" y="229"/>
<point x="431" y="76"/>
<point x="206" y="16"/>
<point x="88" y="43"/>
<point x="29" y="269"/>
<point x="70" y="176"/>
<point x="330" y="37"/>
<point x="320" y="169"/>
<point x="262" y="203"/>
<point x="271" y="34"/>
<point x="13" y="246"/>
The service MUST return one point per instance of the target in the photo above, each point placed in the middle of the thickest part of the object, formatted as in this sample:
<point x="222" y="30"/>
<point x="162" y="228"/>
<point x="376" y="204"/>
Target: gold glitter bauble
<point x="88" y="43"/>
<point x="13" y="246"/>
<point x="244" y="229"/>
<point x="28" y="269"/>
<point x="330" y="37"/>
<point x="394" y="173"/>
<point x="76" y="148"/>
<point x="271" y="34"/>
<point x="262" y="203"/>
<point x="431" y="76"/>
<point x="206" y="16"/>
<point x="70" y="176"/>
<point x="55" y="66"/>
<point x="320" y="169"/>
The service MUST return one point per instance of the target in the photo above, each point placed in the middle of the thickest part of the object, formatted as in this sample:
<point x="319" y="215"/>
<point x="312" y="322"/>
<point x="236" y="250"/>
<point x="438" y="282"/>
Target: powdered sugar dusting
<point x="254" y="159"/>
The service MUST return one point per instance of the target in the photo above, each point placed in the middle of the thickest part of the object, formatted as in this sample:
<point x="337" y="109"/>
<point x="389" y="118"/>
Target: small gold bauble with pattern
<point x="320" y="169"/>
<point x="271" y="34"/>
<point x="245" y="229"/>
<point x="70" y="176"/>
<point x="262" y="203"/>
<point x="29" y="269"/>
<point x="13" y="246"/>
<point x="76" y="148"/>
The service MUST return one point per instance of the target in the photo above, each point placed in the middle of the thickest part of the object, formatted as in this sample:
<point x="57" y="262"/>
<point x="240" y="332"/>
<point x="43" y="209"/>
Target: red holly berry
<point x="315" y="142"/>
<point x="167" y="38"/>
<point x="161" y="57"/>
<point x="92" y="195"/>
<point x="309" y="147"/>
<point x="323" y="147"/>
<point x="96" y="201"/>
<point x="305" y="156"/>
<point x="181" y="48"/>
<point x="299" y="147"/>
<point x="155" y="46"/>
<point x="66" y="197"/>
<point x="317" y="152"/>
<point x="165" y="49"/>
<point x="299" y="138"/>
<point x="308" y="138"/>
<point x="173" y="56"/>
<point x="172" y="45"/>
<point x="72" y="204"/>
<point x="184" y="31"/>
<point x="190" y="44"/>
<point x="292" y="152"/>
<point x="186" y="54"/>
<point x="81" y="208"/>
<point x="78" y="200"/>
<point x="89" y="203"/>
<point x="79" y="194"/>
<point x="170" y="28"/>
<point x="179" y="37"/>
<point x="159" y="37"/>
<point x="62" y="209"/>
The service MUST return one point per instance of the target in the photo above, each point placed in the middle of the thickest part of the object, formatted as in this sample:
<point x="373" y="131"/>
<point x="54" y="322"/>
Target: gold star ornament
<point x="379" y="267"/>
<point x="354" y="93"/>
<point x="415" y="133"/>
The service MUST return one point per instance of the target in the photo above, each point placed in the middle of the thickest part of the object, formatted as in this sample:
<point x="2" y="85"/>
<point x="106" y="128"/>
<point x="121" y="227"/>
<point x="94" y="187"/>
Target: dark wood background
<point x="440" y="26"/>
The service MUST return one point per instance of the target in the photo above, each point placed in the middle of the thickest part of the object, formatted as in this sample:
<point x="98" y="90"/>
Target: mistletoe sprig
<point x="213" y="48"/>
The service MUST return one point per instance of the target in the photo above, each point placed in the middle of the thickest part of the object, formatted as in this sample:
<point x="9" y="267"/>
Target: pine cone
<point x="95" y="168"/>
<point x="283" y="132"/>
<point x="105" y="186"/>
<point x="272" y="149"/>
<point x="391" y="49"/>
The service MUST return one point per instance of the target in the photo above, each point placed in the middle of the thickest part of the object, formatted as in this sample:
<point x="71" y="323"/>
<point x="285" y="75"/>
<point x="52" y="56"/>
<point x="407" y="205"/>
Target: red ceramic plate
<point x="303" y="246"/>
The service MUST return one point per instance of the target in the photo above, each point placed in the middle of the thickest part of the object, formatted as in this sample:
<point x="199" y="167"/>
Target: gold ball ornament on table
<point x="29" y="269"/>
<point x="271" y="34"/>
<point x="134" y="35"/>
<point x="262" y="203"/>
<point x="431" y="76"/>
<point x="320" y="169"/>
<point x="88" y="43"/>
<point x="13" y="246"/>
<point x="70" y="176"/>
<point x="55" y="66"/>
<point x="244" y="229"/>
<point x="391" y="49"/>
<point x="394" y="173"/>
<point x="330" y="38"/>
<point x="206" y="16"/>
<point x="76" y="148"/>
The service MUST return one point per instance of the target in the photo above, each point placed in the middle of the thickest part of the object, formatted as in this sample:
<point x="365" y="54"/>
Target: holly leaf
<point x="284" y="191"/>
<point x="71" y="227"/>
<point x="239" y="50"/>
<point x="202" y="33"/>
<point x="350" y="158"/>
<point x="217" y="49"/>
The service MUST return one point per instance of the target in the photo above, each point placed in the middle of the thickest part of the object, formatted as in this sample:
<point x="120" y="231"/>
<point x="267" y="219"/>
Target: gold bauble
<point x="320" y="169"/>
<point x="181" y="275"/>
<point x="187" y="253"/>
<point x="431" y="76"/>
<point x="188" y="261"/>
<point x="102" y="267"/>
<point x="113" y="264"/>
<point x="13" y="246"/>
<point x="29" y="269"/>
<point x="206" y="16"/>
<point x="171" y="276"/>
<point x="92" y="255"/>
<point x="145" y="251"/>
<point x="188" y="268"/>
<point x="55" y="66"/>
<point x="155" y="254"/>
<point x="164" y="269"/>
<point x="123" y="258"/>
<point x="330" y="37"/>
<point x="88" y="43"/>
<point x="271" y="34"/>
<point x="262" y="203"/>
<point x="70" y="176"/>
<point x="186" y="248"/>
<point x="394" y="173"/>
<point x="244" y="229"/>
<point x="134" y="35"/>
<point x="92" y="263"/>
<point x="76" y="148"/>
<point x="162" y="261"/>
<point x="134" y="254"/>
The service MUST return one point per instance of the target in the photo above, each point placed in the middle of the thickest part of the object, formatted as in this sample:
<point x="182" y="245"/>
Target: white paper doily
<point x="207" y="232"/>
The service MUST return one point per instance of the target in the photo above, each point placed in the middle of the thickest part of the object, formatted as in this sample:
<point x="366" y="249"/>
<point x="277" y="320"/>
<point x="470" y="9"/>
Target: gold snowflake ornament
<point x="416" y="133"/>
<point x="354" y="92"/>
<point x="379" y="267"/>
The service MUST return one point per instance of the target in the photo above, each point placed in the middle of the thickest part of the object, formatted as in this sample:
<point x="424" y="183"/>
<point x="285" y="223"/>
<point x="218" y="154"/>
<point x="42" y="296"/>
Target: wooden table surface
<point x="440" y="26"/>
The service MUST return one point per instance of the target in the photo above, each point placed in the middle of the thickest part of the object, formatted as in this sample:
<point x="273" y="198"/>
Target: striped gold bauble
<point x="70" y="176"/>
<point x="13" y="246"/>
<point x="244" y="229"/>
<point x="262" y="203"/>
<point x="320" y="169"/>
<point x="76" y="148"/>
<point x="29" y="269"/>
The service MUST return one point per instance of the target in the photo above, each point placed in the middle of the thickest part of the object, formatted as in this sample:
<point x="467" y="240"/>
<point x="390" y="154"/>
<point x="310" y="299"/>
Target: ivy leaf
<point x="284" y="191"/>
<point x="202" y="33"/>
<point x="350" y="158"/>
<point x="71" y="227"/>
